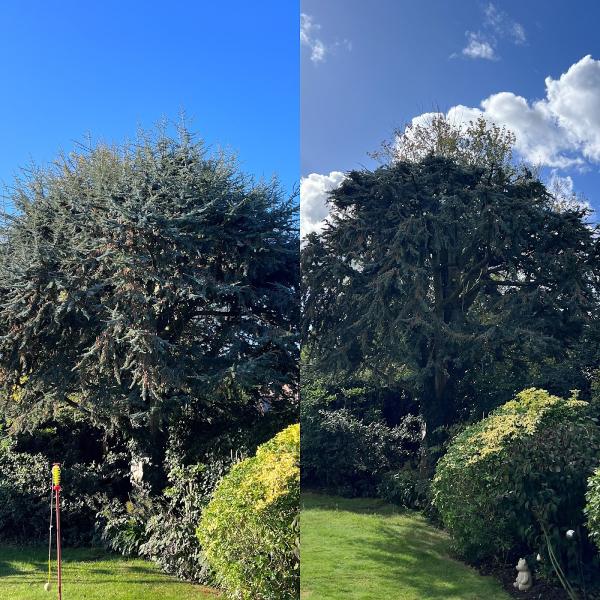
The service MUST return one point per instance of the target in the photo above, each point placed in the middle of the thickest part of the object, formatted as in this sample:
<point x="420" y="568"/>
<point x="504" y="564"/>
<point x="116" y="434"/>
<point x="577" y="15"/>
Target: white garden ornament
<point x="524" y="579"/>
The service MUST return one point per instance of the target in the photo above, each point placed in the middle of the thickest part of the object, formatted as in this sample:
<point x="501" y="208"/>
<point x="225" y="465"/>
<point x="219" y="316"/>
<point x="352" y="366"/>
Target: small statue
<point x="524" y="579"/>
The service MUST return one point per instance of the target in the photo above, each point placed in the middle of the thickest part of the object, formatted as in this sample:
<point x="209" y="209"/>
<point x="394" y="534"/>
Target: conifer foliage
<point x="140" y="281"/>
<point x="434" y="266"/>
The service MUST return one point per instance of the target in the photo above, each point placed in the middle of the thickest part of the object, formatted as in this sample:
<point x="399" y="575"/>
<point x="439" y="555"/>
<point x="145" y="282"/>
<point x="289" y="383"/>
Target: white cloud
<point x="308" y="29"/>
<point x="478" y="47"/>
<point x="574" y="99"/>
<point x="314" y="189"/>
<point x="319" y="50"/>
<point x="498" y="22"/>
<point x="518" y="33"/>
<point x="497" y="25"/>
<point x="561" y="130"/>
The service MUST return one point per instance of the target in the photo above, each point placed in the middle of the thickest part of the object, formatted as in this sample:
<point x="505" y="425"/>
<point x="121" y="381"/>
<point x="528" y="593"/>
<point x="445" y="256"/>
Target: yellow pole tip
<point x="56" y="474"/>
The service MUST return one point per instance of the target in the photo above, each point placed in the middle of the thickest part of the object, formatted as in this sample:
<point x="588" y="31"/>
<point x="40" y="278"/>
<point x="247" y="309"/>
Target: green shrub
<point x="122" y="525"/>
<point x="348" y="456"/>
<point x="25" y="497"/>
<point x="163" y="527"/>
<point x="517" y="473"/>
<point x="407" y="488"/>
<point x="592" y="508"/>
<point x="171" y="539"/>
<point x="249" y="530"/>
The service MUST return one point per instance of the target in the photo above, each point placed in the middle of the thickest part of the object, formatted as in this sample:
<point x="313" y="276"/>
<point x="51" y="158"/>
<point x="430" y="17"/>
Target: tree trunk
<point x="437" y="411"/>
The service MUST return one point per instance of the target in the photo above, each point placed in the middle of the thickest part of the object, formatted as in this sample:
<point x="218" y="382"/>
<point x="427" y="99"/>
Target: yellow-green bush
<point x="249" y="530"/>
<point x="519" y="471"/>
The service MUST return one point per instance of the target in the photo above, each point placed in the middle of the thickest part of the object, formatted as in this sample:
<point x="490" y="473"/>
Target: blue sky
<point x="69" y="69"/>
<point x="368" y="67"/>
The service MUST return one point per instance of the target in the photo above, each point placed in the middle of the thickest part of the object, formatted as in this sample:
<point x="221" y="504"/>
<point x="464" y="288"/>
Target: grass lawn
<point x="90" y="574"/>
<point x="363" y="549"/>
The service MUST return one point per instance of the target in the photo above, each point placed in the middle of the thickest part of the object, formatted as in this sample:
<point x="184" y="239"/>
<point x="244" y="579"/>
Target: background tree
<point x="146" y="283"/>
<point x="443" y="261"/>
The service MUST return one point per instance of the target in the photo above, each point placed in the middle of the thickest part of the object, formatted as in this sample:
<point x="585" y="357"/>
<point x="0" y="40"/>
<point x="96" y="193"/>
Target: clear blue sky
<point x="104" y="68"/>
<point x="368" y="67"/>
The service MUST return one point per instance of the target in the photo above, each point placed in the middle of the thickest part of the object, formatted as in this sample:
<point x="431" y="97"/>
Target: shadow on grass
<point x="404" y="552"/>
<point x="28" y="565"/>
<point x="90" y="581"/>
<point x="17" y="567"/>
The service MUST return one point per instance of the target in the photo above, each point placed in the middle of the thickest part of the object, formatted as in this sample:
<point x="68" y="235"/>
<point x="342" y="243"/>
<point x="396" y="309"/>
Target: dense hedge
<point x="517" y="473"/>
<point x="25" y="497"/>
<point x="249" y="531"/>
<point x="349" y="456"/>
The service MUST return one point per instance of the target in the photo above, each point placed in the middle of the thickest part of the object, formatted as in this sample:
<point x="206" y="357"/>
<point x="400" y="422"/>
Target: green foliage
<point x="437" y="271"/>
<point x="477" y="143"/>
<point x="592" y="507"/>
<point x="170" y="534"/>
<point x="162" y="527"/>
<point x="519" y="471"/>
<point x="250" y="530"/>
<point x="25" y="497"/>
<point x="341" y="453"/>
<point x="123" y="524"/>
<point x="408" y="488"/>
<point x="142" y="281"/>
<point x="353" y="432"/>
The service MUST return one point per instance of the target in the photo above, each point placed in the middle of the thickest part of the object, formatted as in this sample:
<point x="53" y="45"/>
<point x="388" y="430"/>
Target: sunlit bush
<point x="518" y="476"/>
<point x="249" y="532"/>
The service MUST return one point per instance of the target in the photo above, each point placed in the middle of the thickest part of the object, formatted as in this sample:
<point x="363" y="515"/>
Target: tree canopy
<point x="141" y="281"/>
<point x="436" y="266"/>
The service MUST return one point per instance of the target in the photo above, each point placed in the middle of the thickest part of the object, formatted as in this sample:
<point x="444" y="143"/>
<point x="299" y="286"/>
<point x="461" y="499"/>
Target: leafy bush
<point x="592" y="508"/>
<point x="123" y="524"/>
<point x="171" y="539"/>
<point x="518" y="476"/>
<point x="250" y="530"/>
<point x="349" y="456"/>
<point x="25" y="497"/>
<point x="162" y="527"/>
<point x="406" y="487"/>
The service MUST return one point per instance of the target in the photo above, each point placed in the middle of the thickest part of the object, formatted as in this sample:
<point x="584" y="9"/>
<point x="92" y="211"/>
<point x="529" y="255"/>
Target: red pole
<point x="58" y="548"/>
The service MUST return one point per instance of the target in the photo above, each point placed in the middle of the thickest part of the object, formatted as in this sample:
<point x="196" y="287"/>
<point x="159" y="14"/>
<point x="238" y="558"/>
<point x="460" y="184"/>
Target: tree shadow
<point x="420" y="559"/>
<point x="402" y="550"/>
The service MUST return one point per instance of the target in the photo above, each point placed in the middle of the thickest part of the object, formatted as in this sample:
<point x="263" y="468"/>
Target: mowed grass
<point x="364" y="549"/>
<point x="90" y="574"/>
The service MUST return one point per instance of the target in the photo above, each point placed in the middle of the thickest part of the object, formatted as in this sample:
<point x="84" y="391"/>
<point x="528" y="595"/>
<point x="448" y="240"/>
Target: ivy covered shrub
<point x="515" y="482"/>
<point x="249" y="531"/>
